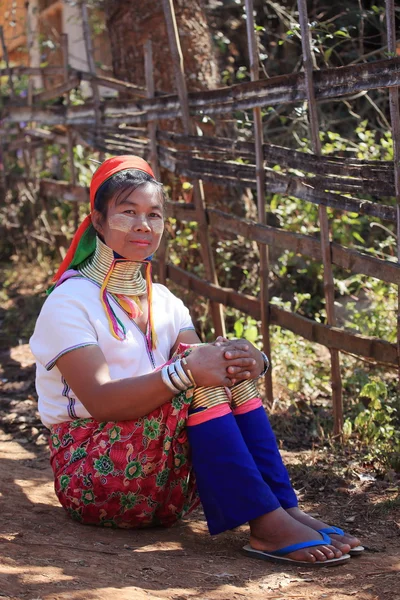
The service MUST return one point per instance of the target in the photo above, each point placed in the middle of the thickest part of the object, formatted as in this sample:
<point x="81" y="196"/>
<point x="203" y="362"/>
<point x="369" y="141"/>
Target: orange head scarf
<point x="107" y="169"/>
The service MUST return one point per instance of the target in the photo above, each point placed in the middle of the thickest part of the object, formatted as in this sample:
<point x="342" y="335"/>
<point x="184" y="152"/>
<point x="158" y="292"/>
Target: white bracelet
<point x="180" y="371"/>
<point x="173" y="375"/>
<point x="168" y="382"/>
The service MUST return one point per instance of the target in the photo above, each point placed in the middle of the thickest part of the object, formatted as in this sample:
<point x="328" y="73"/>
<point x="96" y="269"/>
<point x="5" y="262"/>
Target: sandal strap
<point x="302" y="545"/>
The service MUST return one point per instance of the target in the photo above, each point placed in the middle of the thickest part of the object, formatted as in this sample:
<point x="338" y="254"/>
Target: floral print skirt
<point x="126" y="474"/>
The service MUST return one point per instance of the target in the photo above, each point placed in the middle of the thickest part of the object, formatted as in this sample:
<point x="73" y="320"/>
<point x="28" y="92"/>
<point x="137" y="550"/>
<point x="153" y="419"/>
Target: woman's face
<point x="134" y="223"/>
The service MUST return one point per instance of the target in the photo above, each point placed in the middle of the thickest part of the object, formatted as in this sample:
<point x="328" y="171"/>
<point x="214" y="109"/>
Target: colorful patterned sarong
<point x="129" y="473"/>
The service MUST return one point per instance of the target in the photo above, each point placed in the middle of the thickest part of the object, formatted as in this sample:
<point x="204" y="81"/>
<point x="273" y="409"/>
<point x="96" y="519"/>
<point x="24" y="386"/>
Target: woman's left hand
<point x="240" y="345"/>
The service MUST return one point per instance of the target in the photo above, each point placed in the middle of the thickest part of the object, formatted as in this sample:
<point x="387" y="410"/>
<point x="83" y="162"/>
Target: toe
<point x="302" y="555"/>
<point x="336" y="543"/>
<point x="319" y="555"/>
<point x="343" y="545"/>
<point x="309" y="556"/>
<point x="329" y="551"/>
<point x="353" y="542"/>
<point x="337" y="552"/>
<point x="343" y="548"/>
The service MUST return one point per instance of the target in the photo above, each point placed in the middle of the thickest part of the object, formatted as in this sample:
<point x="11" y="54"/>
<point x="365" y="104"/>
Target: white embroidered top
<point x="73" y="317"/>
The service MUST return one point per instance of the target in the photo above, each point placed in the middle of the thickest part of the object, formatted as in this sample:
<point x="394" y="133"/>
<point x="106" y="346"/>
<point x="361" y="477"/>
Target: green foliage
<point x="375" y="312"/>
<point x="20" y="85"/>
<point x="184" y="247"/>
<point x="247" y="328"/>
<point x="376" y="424"/>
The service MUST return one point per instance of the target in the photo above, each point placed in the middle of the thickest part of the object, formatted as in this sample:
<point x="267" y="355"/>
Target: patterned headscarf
<point x="84" y="241"/>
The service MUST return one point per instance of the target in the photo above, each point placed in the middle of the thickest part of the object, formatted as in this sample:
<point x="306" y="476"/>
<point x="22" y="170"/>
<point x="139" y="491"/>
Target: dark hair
<point x="122" y="181"/>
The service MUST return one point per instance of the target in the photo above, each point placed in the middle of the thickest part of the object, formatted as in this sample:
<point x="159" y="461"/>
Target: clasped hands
<point x="225" y="362"/>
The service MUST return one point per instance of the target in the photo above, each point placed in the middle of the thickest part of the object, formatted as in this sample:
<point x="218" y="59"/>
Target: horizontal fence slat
<point x="277" y="183"/>
<point x="333" y="337"/>
<point x="329" y="83"/>
<point x="330" y="337"/>
<point x="345" y="258"/>
<point x="57" y="91"/>
<point x="286" y="157"/>
<point x="237" y="174"/>
<point x="107" y="82"/>
<point x="362" y="180"/>
<point x="19" y="70"/>
<point x="114" y="84"/>
<point x="371" y="177"/>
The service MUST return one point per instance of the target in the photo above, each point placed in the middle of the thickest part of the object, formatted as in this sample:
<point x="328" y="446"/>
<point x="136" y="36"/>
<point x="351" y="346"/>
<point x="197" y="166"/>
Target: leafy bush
<point x="377" y="424"/>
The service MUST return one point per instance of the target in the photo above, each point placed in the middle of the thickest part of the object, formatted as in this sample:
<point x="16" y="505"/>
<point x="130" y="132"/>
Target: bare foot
<point x="342" y="542"/>
<point x="278" y="529"/>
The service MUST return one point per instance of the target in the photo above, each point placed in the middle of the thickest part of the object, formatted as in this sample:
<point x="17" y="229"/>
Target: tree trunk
<point x="130" y="23"/>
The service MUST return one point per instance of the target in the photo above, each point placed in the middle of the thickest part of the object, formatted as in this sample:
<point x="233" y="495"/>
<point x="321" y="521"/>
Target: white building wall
<point x="32" y="39"/>
<point x="77" y="56"/>
<point x="72" y="25"/>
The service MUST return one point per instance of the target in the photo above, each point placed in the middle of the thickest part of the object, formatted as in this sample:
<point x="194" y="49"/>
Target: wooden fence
<point x="326" y="181"/>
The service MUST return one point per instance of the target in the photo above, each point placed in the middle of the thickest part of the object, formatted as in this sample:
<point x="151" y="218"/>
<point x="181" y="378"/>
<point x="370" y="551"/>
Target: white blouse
<point x="73" y="317"/>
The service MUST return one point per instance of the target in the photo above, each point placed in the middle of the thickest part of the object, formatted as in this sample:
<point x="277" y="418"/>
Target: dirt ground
<point x="46" y="556"/>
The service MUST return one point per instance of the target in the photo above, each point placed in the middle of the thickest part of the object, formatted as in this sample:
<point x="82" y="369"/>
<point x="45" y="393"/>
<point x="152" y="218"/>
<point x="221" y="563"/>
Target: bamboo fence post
<point x="33" y="45"/>
<point x="29" y="40"/>
<point x="323" y="217"/>
<point x="152" y="129"/>
<point x="90" y="61"/>
<point x="198" y="192"/>
<point x="395" y="121"/>
<point x="6" y="60"/>
<point x="260" y="176"/>
<point x="27" y="156"/>
<point x="70" y="142"/>
<point x="3" y="186"/>
<point x="3" y="189"/>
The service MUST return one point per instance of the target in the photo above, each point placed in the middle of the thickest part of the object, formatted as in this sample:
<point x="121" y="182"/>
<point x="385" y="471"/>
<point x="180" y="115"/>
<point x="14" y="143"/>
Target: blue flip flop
<point x="328" y="530"/>
<point x="278" y="556"/>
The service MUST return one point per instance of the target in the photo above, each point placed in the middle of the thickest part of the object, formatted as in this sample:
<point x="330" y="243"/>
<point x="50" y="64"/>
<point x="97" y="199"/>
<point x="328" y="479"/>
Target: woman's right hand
<point x="208" y="365"/>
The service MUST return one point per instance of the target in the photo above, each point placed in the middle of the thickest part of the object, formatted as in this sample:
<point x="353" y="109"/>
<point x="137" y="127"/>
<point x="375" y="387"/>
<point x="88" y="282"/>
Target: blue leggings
<point x="239" y="471"/>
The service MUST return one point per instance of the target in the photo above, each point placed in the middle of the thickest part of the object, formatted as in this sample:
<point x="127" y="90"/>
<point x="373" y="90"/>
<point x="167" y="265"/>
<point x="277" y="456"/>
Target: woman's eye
<point x="129" y="211"/>
<point x="155" y="215"/>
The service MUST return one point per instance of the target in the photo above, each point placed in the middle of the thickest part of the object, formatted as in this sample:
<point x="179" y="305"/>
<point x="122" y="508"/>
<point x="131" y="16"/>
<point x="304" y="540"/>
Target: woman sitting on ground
<point x="145" y="421"/>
